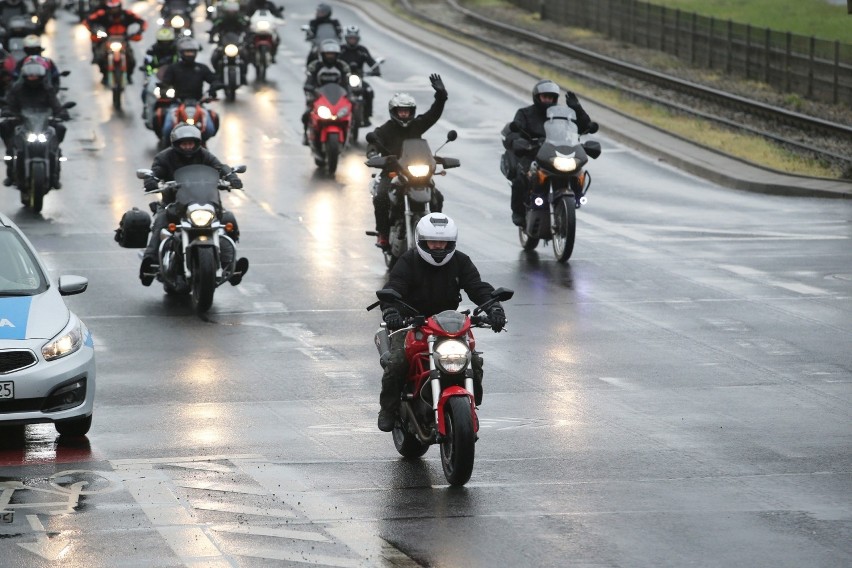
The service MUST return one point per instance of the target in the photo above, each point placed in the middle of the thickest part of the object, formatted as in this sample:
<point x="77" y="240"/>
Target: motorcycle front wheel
<point x="231" y="90"/>
<point x="203" y="279"/>
<point x="38" y="187"/>
<point x="332" y="153"/>
<point x="527" y="242"/>
<point x="457" y="449"/>
<point x="564" y="227"/>
<point x="260" y="63"/>
<point x="116" y="90"/>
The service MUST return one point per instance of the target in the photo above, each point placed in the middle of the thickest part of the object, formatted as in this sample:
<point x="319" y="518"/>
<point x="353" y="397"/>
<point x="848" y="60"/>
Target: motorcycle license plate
<point x="7" y="389"/>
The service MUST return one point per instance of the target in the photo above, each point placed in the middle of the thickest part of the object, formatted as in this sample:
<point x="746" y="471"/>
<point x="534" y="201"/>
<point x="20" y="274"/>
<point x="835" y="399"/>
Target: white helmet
<point x="398" y="101"/>
<point x="436" y="227"/>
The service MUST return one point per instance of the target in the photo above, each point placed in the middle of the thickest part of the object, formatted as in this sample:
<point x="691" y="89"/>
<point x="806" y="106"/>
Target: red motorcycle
<point x="438" y="403"/>
<point x="329" y="125"/>
<point x="114" y="42"/>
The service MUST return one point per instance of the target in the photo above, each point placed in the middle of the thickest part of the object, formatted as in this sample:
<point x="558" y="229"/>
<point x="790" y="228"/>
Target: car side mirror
<point x="70" y="285"/>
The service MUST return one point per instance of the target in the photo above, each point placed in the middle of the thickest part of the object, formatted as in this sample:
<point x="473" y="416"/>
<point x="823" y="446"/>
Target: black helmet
<point x="545" y="87"/>
<point x="323" y="11"/>
<point x="352" y="33"/>
<point x="188" y="49"/>
<point x="184" y="132"/>
<point x="398" y="101"/>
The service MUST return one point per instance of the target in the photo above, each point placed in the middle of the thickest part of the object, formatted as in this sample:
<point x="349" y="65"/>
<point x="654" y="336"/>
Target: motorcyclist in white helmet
<point x="430" y="278"/>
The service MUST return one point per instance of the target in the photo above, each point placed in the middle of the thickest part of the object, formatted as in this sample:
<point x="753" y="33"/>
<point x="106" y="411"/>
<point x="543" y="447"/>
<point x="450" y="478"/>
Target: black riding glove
<point x="438" y="85"/>
<point x="393" y="318"/>
<point x="497" y="317"/>
<point x="521" y="145"/>
<point x="151" y="183"/>
<point x="236" y="183"/>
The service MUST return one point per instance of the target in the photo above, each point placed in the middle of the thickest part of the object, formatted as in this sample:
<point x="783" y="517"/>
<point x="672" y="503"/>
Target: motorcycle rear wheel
<point x="457" y="449"/>
<point x="203" y="280"/>
<point x="564" y="227"/>
<point x="38" y="187"/>
<point x="407" y="443"/>
<point x="116" y="93"/>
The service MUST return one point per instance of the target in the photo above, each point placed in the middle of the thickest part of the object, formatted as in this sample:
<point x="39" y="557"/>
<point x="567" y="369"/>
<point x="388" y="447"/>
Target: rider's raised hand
<point x="438" y="85"/>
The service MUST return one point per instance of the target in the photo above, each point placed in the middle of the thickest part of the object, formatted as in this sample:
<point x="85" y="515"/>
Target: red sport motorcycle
<point x="328" y="129"/>
<point x="438" y="403"/>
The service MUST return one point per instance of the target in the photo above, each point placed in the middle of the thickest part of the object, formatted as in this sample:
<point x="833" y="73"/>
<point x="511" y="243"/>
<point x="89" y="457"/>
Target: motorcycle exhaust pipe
<point x="408" y="416"/>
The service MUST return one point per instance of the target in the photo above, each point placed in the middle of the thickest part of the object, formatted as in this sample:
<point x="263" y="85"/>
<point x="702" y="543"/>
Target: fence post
<point x="836" y="97"/>
<point x="729" y="46"/>
<point x="787" y="56"/>
<point x="766" y="56"/>
<point x="710" y="42"/>
<point x="647" y="25"/>
<point x="677" y="33"/>
<point x="748" y="51"/>
<point x="692" y="38"/>
<point x="662" y="33"/>
<point x="811" y="55"/>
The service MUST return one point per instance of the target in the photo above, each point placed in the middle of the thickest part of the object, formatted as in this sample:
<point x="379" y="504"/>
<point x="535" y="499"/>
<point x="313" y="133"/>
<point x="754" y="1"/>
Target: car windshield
<point x="20" y="274"/>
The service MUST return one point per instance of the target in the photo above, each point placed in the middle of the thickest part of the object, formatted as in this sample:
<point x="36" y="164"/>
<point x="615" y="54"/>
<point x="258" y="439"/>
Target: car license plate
<point x="7" y="389"/>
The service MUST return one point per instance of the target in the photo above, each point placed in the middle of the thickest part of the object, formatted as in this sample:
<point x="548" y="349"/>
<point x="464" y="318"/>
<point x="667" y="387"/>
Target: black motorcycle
<point x="358" y="86"/>
<point x="230" y="62"/>
<point x="197" y="252"/>
<point x="558" y="181"/>
<point x="37" y="156"/>
<point x="411" y="190"/>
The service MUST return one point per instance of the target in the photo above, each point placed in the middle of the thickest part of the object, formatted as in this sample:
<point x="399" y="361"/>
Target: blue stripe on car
<point x="14" y="315"/>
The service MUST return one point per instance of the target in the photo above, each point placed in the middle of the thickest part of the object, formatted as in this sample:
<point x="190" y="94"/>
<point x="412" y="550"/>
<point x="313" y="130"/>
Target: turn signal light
<point x="172" y="227"/>
<point x="229" y="227"/>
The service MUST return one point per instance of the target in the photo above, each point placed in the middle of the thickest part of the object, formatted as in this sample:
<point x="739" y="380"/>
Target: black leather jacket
<point x="391" y="134"/>
<point x="532" y="118"/>
<point x="188" y="79"/>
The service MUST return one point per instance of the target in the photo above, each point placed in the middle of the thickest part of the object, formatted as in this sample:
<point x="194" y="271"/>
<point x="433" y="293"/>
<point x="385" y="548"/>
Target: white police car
<point x="47" y="357"/>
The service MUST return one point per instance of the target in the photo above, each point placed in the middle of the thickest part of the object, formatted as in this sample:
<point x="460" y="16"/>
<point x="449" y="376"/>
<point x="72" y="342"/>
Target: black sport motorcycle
<point x="557" y="179"/>
<point x="37" y="155"/>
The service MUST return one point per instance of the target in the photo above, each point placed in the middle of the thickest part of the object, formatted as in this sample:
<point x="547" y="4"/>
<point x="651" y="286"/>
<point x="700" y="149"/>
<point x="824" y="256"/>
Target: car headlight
<point x="67" y="342"/>
<point x="452" y="356"/>
<point x="177" y="22"/>
<point x="115" y="46"/>
<point x="324" y="113"/>
<point x="565" y="164"/>
<point x="202" y="216"/>
<point x="36" y="137"/>
<point x="354" y="81"/>
<point x="418" y="170"/>
<point x="232" y="50"/>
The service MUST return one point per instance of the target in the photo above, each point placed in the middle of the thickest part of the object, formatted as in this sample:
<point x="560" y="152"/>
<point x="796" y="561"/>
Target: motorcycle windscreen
<point x="560" y="128"/>
<point x="416" y="151"/>
<point x="325" y="31"/>
<point x="332" y="91"/>
<point x="450" y="321"/>
<point x="197" y="184"/>
<point x="36" y="119"/>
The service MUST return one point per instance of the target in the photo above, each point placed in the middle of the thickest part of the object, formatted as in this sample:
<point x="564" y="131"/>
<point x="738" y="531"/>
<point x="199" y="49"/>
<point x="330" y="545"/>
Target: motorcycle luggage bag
<point x="133" y="229"/>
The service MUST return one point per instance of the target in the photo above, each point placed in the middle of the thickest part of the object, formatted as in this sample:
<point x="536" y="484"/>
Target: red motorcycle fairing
<point x="447" y="394"/>
<point x="336" y="120"/>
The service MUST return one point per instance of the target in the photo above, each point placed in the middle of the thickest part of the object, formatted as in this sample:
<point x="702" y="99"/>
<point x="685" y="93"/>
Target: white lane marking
<point x="44" y="546"/>
<point x="135" y="463"/>
<point x="292" y="534"/>
<point x="203" y="466"/>
<point x="765" y="278"/>
<point x="301" y="557"/>
<point x="242" y="509"/>
<point x="223" y="487"/>
<point x="620" y="383"/>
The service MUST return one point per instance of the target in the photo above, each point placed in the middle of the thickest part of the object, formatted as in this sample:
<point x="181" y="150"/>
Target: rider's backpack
<point x="133" y="229"/>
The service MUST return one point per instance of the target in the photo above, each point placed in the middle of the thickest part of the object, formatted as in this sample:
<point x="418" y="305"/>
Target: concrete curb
<point x="698" y="160"/>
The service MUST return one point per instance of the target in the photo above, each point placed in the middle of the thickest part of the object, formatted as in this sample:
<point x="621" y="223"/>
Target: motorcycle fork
<point x="409" y="221"/>
<point x="434" y="377"/>
<point x="188" y="245"/>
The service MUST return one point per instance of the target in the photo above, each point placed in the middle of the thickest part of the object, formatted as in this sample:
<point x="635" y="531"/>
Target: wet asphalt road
<point x="678" y="394"/>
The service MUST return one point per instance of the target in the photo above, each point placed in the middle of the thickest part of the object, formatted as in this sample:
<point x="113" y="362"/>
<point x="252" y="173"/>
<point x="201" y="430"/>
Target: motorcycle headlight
<point x="170" y="93"/>
<point x="354" y="81"/>
<point x="324" y="112"/>
<point x="262" y="26"/>
<point x="160" y="21"/>
<point x="565" y="164"/>
<point x="232" y="50"/>
<point x="177" y="22"/>
<point x="418" y="170"/>
<point x="452" y="356"/>
<point x="190" y="121"/>
<point x="101" y="33"/>
<point x="36" y="137"/>
<point x="201" y="215"/>
<point x="67" y="342"/>
<point x="157" y="92"/>
<point x="115" y="46"/>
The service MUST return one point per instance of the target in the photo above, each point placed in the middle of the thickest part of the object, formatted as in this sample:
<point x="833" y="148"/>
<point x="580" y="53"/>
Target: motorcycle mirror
<point x="592" y="148"/>
<point x="371" y="138"/>
<point x="502" y="294"/>
<point x="593" y="127"/>
<point x="143" y="173"/>
<point x="240" y="169"/>
<point x="65" y="73"/>
<point x="514" y="126"/>
<point x="305" y="28"/>
<point x="452" y="135"/>
<point x="388" y="295"/>
<point x="69" y="104"/>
